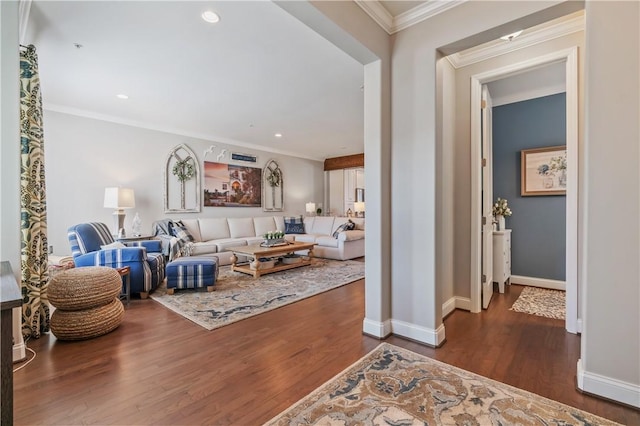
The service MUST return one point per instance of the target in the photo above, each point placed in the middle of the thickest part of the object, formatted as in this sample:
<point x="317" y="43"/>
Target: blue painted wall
<point x="538" y="223"/>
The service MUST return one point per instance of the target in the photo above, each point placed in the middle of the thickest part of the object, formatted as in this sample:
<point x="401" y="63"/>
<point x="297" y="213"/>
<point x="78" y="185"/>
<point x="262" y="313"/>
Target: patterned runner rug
<point x="542" y="302"/>
<point x="394" y="386"/>
<point x="238" y="296"/>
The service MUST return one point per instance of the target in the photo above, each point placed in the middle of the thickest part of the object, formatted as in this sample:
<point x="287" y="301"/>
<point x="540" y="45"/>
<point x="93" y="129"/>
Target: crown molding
<point x="548" y="31"/>
<point x="392" y="24"/>
<point x="422" y="12"/>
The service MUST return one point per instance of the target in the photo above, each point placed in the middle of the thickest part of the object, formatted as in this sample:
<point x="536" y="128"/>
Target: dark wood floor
<point x="159" y="368"/>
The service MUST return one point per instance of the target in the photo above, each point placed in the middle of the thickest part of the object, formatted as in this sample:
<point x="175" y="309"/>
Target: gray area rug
<point x="542" y="302"/>
<point x="238" y="296"/>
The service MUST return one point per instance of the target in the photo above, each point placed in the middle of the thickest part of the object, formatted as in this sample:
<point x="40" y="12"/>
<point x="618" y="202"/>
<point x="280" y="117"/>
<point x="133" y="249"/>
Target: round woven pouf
<point x="83" y="288"/>
<point x="94" y="322"/>
<point x="86" y="302"/>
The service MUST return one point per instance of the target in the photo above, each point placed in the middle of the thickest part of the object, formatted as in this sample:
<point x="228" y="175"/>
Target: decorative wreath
<point x="274" y="178"/>
<point x="183" y="170"/>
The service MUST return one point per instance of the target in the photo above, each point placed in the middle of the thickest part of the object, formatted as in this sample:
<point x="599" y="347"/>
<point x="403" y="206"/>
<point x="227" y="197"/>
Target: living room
<point x="398" y="173"/>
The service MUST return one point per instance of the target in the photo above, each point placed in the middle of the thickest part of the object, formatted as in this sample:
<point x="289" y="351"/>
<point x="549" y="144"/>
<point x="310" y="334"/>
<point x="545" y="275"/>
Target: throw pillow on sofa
<point x="179" y="230"/>
<point x="347" y="226"/>
<point x="294" y="225"/>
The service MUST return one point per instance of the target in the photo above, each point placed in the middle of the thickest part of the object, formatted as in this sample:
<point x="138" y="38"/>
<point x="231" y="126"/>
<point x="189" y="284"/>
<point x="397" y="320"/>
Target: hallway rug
<point x="394" y="386"/>
<point x="238" y="296"/>
<point x="542" y="302"/>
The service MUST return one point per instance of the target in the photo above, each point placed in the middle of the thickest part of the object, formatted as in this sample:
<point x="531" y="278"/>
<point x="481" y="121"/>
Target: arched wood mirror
<point x="181" y="181"/>
<point x="272" y="187"/>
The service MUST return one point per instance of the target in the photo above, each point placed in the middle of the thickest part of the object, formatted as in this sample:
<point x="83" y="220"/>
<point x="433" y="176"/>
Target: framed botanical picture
<point x="543" y="171"/>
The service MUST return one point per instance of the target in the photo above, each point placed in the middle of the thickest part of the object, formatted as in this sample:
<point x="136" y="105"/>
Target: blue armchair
<point x="146" y="261"/>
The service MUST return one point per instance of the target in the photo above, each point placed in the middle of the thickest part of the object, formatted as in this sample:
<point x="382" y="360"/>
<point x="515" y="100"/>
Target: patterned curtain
<point x="33" y="213"/>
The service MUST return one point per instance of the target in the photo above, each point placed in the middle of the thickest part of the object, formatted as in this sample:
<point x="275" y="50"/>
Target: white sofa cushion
<point x="204" y="247"/>
<point x="214" y="228"/>
<point x="241" y="227"/>
<point x="194" y="229"/>
<point x="322" y="225"/>
<point x="279" y="223"/>
<point x="263" y="225"/>
<point x="308" y="224"/>
<point x="305" y="238"/>
<point x="224" y="244"/>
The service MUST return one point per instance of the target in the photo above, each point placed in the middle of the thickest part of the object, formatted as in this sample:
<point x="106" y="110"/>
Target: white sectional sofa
<point x="216" y="235"/>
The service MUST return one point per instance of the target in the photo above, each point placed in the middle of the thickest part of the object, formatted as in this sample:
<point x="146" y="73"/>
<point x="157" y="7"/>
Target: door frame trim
<point x="570" y="58"/>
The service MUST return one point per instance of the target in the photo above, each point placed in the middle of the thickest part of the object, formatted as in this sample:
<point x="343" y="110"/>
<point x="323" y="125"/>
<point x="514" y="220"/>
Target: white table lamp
<point x="119" y="199"/>
<point x="358" y="206"/>
<point x="310" y="208"/>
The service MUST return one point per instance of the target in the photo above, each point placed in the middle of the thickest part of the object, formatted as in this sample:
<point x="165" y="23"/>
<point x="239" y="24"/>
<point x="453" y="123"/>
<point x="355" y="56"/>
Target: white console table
<point x="502" y="258"/>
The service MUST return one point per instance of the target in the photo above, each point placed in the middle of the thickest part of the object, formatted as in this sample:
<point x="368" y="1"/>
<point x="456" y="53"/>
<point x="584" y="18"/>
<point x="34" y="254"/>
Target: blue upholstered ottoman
<point x="192" y="272"/>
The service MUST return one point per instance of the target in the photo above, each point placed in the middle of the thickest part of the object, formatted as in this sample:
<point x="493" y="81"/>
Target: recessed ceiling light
<point x="210" y="16"/>
<point x="122" y="96"/>
<point x="278" y="135"/>
<point x="510" y="37"/>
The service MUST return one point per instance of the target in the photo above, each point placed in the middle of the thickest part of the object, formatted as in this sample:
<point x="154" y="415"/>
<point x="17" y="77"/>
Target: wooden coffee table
<point x="255" y="252"/>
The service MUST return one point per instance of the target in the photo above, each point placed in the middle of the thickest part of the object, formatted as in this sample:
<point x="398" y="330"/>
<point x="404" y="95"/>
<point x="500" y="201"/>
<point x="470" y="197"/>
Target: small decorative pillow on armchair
<point x="294" y="225"/>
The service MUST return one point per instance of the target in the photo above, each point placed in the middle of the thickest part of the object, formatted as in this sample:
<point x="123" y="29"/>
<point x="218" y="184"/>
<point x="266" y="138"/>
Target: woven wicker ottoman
<point x="86" y="301"/>
<point x="192" y="272"/>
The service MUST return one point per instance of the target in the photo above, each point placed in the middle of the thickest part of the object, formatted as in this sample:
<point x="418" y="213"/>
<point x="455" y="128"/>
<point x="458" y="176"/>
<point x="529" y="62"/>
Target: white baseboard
<point x="376" y="328"/>
<point x="456" y="303"/>
<point x="539" y="282"/>
<point x="19" y="351"/>
<point x="579" y="326"/>
<point x="425" y="335"/>
<point x="606" y="387"/>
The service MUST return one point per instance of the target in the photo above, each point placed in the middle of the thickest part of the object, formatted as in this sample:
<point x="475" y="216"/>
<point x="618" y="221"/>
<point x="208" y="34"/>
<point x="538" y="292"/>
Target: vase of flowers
<point x="501" y="210"/>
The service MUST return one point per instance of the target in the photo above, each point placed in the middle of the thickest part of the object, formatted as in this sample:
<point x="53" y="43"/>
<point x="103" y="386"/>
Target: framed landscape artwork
<point x="543" y="171"/>
<point x="230" y="185"/>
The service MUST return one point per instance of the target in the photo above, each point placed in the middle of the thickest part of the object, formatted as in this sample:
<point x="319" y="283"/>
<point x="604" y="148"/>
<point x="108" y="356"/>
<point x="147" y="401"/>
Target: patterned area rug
<point x="541" y="302"/>
<point x="238" y="296"/>
<point x="394" y="386"/>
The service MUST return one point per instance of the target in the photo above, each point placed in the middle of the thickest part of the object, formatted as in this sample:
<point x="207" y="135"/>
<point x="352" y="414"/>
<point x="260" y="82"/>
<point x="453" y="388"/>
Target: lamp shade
<point x="358" y="206"/>
<point x="119" y="198"/>
<point x="311" y="207"/>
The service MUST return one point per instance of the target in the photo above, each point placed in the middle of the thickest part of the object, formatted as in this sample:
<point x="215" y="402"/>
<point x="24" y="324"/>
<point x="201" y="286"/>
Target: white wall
<point x="445" y="200"/>
<point x="10" y="134"/>
<point x="463" y="137"/>
<point x="610" y="356"/>
<point x="84" y="155"/>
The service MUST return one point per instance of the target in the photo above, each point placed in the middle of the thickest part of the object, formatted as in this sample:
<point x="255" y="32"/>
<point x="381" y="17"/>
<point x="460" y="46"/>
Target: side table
<point x="125" y="272"/>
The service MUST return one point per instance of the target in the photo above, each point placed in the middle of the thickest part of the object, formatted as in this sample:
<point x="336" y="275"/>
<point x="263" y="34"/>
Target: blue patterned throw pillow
<point x="347" y="226"/>
<point x="179" y="230"/>
<point x="294" y="225"/>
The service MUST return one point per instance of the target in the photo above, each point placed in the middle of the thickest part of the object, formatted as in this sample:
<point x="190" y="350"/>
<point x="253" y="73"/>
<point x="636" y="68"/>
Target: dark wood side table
<point x="10" y="298"/>
<point x="125" y="272"/>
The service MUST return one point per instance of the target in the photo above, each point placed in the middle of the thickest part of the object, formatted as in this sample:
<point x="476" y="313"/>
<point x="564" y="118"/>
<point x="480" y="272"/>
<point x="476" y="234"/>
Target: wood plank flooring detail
<point x="159" y="368"/>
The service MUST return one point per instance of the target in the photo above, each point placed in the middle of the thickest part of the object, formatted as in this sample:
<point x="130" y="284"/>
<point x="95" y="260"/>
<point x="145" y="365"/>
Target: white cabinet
<point x="502" y="257"/>
<point x="353" y="178"/>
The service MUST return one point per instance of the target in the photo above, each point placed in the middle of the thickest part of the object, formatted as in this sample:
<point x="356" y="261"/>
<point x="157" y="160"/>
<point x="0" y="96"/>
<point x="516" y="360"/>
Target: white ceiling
<point x="258" y="72"/>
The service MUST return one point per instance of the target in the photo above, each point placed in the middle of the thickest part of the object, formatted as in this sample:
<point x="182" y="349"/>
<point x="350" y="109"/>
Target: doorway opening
<point x="569" y="57"/>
